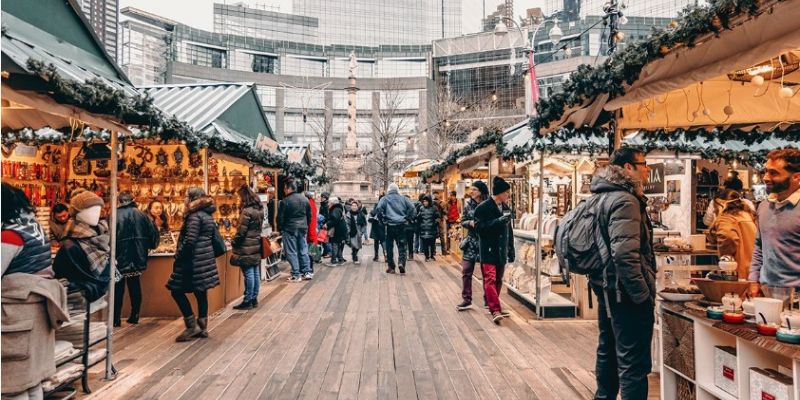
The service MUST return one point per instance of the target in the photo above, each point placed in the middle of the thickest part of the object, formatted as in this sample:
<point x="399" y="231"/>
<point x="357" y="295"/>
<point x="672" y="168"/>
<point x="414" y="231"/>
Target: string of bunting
<point x="97" y="97"/>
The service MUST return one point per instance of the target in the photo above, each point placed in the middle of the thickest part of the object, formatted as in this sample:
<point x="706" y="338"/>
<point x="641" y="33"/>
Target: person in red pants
<point x="493" y="223"/>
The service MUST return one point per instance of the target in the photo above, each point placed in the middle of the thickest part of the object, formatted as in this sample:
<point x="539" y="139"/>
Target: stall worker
<point x="59" y="217"/>
<point x="775" y="259"/>
<point x="158" y="214"/>
<point x="734" y="231"/>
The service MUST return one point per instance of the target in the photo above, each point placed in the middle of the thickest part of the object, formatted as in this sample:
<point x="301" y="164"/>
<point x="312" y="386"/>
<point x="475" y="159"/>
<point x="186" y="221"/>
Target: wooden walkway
<point x="355" y="332"/>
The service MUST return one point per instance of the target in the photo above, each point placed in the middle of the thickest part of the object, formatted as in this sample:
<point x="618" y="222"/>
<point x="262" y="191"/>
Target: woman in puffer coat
<point x="428" y="227"/>
<point x="377" y="232"/>
<point x="337" y="231"/>
<point x="470" y="246"/>
<point x="195" y="267"/>
<point x="247" y="246"/>
<point x="356" y="226"/>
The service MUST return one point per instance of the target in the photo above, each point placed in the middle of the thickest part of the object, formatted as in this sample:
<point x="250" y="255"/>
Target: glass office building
<point x="103" y="15"/>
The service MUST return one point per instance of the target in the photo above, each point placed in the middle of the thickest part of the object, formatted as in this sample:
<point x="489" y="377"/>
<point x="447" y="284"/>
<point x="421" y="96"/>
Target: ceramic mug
<point x="771" y="308"/>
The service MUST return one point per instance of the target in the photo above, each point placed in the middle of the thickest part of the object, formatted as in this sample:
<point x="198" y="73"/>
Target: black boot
<point x="244" y="305"/>
<point x="133" y="319"/>
<point x="202" y="323"/>
<point x="191" y="331"/>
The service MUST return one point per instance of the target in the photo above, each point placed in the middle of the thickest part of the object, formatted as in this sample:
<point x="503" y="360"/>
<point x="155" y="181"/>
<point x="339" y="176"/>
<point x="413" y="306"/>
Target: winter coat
<point x="324" y="208"/>
<point x="311" y="238"/>
<point x="84" y="259"/>
<point x="337" y="226"/>
<point x="623" y="211"/>
<point x="428" y="222"/>
<point x="195" y="267"/>
<point x="247" y="241"/>
<point x="394" y="209"/>
<point x="33" y="307"/>
<point x="735" y="235"/>
<point x="136" y="236"/>
<point x="496" y="238"/>
<point x="294" y="214"/>
<point x="34" y="255"/>
<point x="377" y="231"/>
<point x="470" y="244"/>
<point x="452" y="211"/>
<point x="356" y="226"/>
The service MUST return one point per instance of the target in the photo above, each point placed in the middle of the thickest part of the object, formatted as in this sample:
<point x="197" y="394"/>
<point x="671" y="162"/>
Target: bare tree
<point x="325" y="159"/>
<point x="390" y="127"/>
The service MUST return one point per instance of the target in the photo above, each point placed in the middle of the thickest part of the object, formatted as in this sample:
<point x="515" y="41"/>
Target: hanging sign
<point x="656" y="183"/>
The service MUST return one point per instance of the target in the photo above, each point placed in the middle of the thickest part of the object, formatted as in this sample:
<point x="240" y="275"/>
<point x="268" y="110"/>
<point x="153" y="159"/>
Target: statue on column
<point x="353" y="64"/>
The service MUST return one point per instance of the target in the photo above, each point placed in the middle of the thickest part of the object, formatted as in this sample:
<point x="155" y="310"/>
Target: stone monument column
<point x="351" y="141"/>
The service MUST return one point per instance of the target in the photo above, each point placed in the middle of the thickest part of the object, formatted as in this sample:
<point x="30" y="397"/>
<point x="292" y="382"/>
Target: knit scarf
<point x="94" y="241"/>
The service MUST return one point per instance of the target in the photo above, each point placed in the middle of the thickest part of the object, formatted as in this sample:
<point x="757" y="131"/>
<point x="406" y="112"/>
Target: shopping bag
<point x="322" y="236"/>
<point x="266" y="248"/>
<point x="315" y="251"/>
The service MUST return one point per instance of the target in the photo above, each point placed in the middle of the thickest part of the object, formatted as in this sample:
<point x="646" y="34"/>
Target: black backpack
<point x="581" y="245"/>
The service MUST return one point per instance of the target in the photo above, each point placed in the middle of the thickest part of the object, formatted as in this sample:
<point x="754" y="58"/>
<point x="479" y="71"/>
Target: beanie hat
<point x="499" y="185"/>
<point x="393" y="187"/>
<point x="334" y="201"/>
<point x="481" y="186"/>
<point x="83" y="199"/>
<point x="325" y="195"/>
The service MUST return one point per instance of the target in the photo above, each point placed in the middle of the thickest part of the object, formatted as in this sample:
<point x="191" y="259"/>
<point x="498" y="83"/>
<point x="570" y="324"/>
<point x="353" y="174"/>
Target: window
<point x="262" y="63"/>
<point x="206" y="56"/>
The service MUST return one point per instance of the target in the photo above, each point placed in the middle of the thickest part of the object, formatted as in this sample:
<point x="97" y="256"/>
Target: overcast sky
<point x="200" y="13"/>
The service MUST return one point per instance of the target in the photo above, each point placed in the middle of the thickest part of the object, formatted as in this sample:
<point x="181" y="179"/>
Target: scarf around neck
<point x="94" y="241"/>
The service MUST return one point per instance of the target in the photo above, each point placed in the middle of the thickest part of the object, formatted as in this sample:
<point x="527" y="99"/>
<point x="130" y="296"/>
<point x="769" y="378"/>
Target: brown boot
<point x="191" y="330"/>
<point x="202" y="323"/>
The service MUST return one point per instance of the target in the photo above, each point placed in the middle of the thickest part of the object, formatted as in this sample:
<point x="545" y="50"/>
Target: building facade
<point x="103" y="15"/>
<point x="302" y="84"/>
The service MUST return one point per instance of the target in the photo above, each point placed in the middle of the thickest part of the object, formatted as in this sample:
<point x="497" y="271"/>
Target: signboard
<point x="656" y="183"/>
<point x="266" y="144"/>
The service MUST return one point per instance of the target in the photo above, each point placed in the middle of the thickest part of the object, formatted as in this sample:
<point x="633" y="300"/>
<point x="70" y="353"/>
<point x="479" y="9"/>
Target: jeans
<point x="135" y="290"/>
<point x="492" y="284"/>
<point x="396" y="234"/>
<point x="623" y="348"/>
<point x="337" y="251"/>
<point x="186" y="307"/>
<point x="429" y="247"/>
<point x="413" y="243"/>
<point x="442" y="234"/>
<point x="296" y="248"/>
<point x="252" y="282"/>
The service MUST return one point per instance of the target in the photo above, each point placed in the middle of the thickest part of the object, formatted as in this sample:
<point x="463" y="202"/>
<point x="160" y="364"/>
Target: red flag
<point x="534" y="82"/>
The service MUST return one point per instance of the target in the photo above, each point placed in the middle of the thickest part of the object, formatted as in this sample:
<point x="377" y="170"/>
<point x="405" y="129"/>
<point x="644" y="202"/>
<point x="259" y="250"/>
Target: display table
<point x="689" y="343"/>
<point x="157" y="300"/>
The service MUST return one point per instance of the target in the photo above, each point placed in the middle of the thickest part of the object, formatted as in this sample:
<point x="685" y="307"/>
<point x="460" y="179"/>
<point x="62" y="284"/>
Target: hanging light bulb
<point x="494" y="96"/>
<point x="728" y="110"/>
<point x="785" y="92"/>
<point x="706" y="112"/>
<point x="757" y="80"/>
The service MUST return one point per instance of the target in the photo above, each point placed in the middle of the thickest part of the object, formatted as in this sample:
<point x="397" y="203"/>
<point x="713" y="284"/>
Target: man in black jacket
<point x="136" y="236"/>
<point x="627" y="291"/>
<point x="493" y="224"/>
<point x="294" y="218"/>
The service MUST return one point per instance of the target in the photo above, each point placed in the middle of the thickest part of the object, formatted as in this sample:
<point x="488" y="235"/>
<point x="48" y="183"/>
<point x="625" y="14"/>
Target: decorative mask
<point x="177" y="155"/>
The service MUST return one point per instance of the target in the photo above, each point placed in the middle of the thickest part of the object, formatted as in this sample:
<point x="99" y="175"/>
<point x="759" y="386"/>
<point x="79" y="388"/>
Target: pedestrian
<point x="775" y="260"/>
<point x="84" y="257"/>
<point x="713" y="209"/>
<point x="25" y="247"/>
<point x="442" y="226"/>
<point x="734" y="231"/>
<point x="313" y="243"/>
<point x="158" y="214"/>
<point x="271" y="209"/>
<point x="428" y="222"/>
<point x="397" y="214"/>
<point x="337" y="231"/>
<point x="470" y="244"/>
<point x="59" y="218"/>
<point x="356" y="225"/>
<point x="415" y="238"/>
<point x="324" y="209"/>
<point x="246" y="245"/>
<point x="626" y="288"/>
<point x="195" y="267"/>
<point x="294" y="218"/>
<point x="377" y="232"/>
<point x="496" y="238"/>
<point x="136" y="236"/>
<point x="365" y="216"/>
<point x="452" y="216"/>
<point x="33" y="304"/>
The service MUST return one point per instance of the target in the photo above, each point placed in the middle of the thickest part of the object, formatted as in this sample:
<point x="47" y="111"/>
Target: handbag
<point x="218" y="243"/>
<point x="266" y="248"/>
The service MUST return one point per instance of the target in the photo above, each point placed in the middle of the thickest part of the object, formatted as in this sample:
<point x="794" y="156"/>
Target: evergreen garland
<point x="488" y="138"/>
<point x="97" y="97"/>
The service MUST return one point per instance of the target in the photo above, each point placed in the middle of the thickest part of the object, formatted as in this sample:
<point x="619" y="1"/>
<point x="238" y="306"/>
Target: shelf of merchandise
<point x="752" y="351"/>
<point x="83" y="355"/>
<point x="554" y="306"/>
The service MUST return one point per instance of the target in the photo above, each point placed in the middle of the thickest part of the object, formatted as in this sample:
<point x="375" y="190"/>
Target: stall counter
<point x="157" y="300"/>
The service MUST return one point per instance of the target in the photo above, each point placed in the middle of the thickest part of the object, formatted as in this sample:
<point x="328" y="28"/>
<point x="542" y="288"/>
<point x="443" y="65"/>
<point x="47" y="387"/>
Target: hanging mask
<point x="195" y="160"/>
<point x="177" y="155"/>
<point x="161" y="157"/>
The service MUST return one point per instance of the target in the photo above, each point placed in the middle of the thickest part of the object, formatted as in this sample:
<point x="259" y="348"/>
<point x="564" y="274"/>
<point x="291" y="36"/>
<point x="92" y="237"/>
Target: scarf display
<point x="95" y="242"/>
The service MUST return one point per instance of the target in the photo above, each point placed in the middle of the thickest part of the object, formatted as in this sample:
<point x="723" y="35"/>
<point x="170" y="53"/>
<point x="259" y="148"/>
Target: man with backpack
<point x="609" y="238"/>
<point x="496" y="243"/>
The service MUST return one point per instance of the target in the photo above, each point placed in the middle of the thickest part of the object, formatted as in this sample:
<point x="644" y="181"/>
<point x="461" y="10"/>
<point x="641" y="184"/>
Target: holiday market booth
<point x="720" y="79"/>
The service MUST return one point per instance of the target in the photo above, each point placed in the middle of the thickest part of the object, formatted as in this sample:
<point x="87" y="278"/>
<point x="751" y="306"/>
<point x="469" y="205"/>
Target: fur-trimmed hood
<point x="204" y="203"/>
<point x="614" y="178"/>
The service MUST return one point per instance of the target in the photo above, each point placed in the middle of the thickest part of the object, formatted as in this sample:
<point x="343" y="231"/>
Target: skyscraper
<point x="103" y="15"/>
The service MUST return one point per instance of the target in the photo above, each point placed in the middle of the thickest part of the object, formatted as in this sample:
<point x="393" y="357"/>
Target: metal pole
<point x="538" y="263"/>
<point x="110" y="372"/>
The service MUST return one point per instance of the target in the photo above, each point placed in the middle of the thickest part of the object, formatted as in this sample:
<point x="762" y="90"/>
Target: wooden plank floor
<point x="355" y="332"/>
